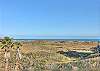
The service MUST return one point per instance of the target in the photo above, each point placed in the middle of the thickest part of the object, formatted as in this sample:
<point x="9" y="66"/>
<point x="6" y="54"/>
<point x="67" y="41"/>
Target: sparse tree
<point x="18" y="56"/>
<point x="6" y="44"/>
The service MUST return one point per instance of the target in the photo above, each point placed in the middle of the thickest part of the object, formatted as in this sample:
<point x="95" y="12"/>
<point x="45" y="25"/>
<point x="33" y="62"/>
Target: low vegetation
<point x="43" y="55"/>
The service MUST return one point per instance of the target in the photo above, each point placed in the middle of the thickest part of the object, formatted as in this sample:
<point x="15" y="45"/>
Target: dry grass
<point x="43" y="56"/>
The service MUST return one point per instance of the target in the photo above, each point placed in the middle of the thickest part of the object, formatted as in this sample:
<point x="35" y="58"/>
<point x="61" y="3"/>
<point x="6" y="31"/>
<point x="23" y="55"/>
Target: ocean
<point x="58" y="39"/>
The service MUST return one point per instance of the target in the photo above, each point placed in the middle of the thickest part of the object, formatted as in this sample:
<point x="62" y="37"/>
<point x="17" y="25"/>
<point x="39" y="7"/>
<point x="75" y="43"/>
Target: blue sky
<point x="50" y="18"/>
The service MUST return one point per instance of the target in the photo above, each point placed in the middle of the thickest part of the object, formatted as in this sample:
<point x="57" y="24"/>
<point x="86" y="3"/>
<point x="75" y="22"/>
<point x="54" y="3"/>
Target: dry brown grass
<point x="44" y="54"/>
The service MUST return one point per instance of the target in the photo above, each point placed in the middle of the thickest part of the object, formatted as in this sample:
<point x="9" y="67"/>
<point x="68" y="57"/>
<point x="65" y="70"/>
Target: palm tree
<point x="6" y="44"/>
<point x="18" y="56"/>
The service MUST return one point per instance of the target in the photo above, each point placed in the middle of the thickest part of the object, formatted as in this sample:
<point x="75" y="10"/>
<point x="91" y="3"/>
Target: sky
<point x="50" y="18"/>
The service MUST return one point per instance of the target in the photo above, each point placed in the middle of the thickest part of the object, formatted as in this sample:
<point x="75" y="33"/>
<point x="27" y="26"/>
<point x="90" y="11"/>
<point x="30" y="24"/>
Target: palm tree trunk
<point x="18" y="57"/>
<point x="6" y="65"/>
<point x="18" y="54"/>
<point x="18" y="66"/>
<point x="7" y="55"/>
